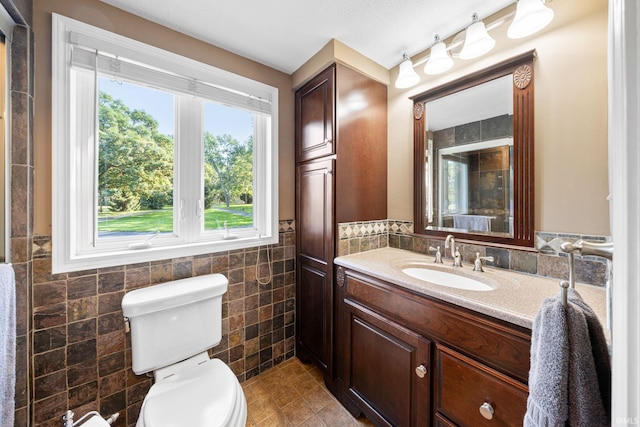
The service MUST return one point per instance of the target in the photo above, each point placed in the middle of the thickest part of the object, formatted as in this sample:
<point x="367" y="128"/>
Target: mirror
<point x="473" y="156"/>
<point x="469" y="159"/>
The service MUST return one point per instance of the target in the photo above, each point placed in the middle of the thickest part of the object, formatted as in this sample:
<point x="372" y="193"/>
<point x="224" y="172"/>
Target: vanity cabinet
<point x="434" y="363"/>
<point x="341" y="176"/>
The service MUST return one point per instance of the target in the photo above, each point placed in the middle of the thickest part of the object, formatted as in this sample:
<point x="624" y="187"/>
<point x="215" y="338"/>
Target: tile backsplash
<point x="547" y="260"/>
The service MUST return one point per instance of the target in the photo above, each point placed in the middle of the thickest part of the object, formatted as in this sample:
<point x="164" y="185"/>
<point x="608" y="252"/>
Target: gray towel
<point x="547" y="404"/>
<point x="7" y="344"/>
<point x="564" y="385"/>
<point x="600" y="350"/>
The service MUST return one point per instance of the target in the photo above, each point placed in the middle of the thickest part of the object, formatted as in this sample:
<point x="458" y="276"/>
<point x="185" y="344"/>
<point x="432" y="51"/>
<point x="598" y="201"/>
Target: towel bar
<point x="584" y="248"/>
<point x="604" y="250"/>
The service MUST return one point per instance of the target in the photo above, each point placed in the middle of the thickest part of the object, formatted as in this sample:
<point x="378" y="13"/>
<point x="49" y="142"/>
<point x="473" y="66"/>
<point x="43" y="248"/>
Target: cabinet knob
<point x="486" y="410"/>
<point x="421" y="371"/>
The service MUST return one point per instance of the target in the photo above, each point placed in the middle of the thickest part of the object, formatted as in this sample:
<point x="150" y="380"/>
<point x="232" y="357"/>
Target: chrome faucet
<point x="449" y="243"/>
<point x="453" y="251"/>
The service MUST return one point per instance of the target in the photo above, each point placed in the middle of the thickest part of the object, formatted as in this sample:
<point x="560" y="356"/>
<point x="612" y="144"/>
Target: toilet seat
<point x="206" y="395"/>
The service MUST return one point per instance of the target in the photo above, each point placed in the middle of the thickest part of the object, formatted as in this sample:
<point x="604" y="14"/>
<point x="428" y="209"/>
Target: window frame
<point x="73" y="161"/>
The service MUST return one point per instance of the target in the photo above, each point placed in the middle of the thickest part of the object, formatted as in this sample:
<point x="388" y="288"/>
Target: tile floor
<point x="293" y="394"/>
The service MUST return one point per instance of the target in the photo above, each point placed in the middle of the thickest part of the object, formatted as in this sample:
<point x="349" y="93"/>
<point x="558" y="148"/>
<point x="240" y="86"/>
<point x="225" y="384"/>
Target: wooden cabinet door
<point x="387" y="369"/>
<point x="314" y="284"/>
<point x="314" y="117"/>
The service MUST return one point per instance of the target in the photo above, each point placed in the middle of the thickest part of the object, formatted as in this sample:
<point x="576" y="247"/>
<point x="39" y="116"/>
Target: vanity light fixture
<point x="531" y="16"/>
<point x="477" y="41"/>
<point x="439" y="60"/>
<point x="407" y="76"/>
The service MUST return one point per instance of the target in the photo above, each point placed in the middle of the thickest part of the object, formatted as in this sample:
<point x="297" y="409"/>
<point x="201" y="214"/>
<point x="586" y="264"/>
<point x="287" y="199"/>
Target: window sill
<point x="65" y="264"/>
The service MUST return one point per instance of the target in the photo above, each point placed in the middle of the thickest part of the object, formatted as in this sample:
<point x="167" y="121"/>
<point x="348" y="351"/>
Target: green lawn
<point x="162" y="221"/>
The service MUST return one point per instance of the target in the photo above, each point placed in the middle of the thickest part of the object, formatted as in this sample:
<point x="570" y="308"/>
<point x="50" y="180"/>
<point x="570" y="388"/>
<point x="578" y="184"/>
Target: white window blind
<point x="87" y="53"/>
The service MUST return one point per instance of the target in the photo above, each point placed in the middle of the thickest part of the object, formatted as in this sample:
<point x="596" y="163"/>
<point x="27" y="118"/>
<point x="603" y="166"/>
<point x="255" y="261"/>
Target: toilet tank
<point x="173" y="321"/>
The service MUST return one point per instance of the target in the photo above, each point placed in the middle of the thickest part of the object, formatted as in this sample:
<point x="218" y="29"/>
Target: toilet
<point x="172" y="327"/>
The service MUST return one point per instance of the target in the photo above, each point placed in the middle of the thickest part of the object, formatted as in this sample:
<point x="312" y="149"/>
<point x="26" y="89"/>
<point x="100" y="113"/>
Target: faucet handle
<point x="477" y="264"/>
<point x="438" y="258"/>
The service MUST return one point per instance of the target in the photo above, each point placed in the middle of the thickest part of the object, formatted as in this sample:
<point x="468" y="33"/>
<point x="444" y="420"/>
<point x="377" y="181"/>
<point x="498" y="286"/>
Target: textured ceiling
<point x="284" y="34"/>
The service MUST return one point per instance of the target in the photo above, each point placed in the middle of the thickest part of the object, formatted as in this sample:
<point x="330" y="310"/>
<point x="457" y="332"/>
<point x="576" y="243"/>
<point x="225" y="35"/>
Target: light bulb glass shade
<point x="407" y="76"/>
<point x="531" y="16"/>
<point x="477" y="41"/>
<point x="439" y="60"/>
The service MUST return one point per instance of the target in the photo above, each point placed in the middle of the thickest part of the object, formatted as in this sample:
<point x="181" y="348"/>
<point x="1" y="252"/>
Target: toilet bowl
<point x="206" y="394"/>
<point x="172" y="327"/>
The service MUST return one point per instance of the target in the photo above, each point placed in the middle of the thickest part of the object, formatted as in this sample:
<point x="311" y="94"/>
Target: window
<point x="455" y="180"/>
<point x="155" y="155"/>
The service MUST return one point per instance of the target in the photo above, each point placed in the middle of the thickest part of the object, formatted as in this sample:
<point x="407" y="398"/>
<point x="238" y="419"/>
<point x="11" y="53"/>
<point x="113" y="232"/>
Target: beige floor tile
<point x="250" y="422"/>
<point x="297" y="412"/>
<point x="293" y="394"/>
<point x="259" y="390"/>
<point x="276" y="419"/>
<point x="283" y="395"/>
<point x="317" y="374"/>
<point x="304" y="382"/>
<point x="250" y="380"/>
<point x="273" y="377"/>
<point x="249" y="392"/>
<point x="293" y="368"/>
<point x="307" y="366"/>
<point x="261" y="409"/>
<point x="318" y="397"/>
<point x="314" y="421"/>
<point x="335" y="415"/>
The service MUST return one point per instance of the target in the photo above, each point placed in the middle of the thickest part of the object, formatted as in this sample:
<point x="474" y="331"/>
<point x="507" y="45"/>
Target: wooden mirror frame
<point x="521" y="67"/>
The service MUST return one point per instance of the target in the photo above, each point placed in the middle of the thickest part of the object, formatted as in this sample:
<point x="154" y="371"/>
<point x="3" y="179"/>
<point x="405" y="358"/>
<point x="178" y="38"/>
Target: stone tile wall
<point x="21" y="172"/>
<point x="548" y="260"/>
<point x="81" y="354"/>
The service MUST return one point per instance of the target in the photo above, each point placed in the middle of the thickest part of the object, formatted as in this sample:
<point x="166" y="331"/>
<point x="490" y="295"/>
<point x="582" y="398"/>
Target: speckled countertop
<point x="516" y="297"/>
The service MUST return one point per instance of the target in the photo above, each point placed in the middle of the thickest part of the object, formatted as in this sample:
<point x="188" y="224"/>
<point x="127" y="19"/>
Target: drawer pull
<point x="486" y="410"/>
<point x="421" y="371"/>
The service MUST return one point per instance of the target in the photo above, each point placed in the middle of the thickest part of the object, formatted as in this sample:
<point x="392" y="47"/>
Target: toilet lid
<point x="204" y="395"/>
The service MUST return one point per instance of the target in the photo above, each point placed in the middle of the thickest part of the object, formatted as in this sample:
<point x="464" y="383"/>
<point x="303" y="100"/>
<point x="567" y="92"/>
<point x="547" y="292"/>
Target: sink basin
<point x="443" y="278"/>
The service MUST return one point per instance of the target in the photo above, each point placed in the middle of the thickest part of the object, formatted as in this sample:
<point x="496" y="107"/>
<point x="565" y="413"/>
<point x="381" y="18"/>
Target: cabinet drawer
<point x="463" y="386"/>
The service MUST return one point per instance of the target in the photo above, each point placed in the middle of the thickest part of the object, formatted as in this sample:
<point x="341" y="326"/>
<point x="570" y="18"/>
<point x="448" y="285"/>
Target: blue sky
<point x="218" y="118"/>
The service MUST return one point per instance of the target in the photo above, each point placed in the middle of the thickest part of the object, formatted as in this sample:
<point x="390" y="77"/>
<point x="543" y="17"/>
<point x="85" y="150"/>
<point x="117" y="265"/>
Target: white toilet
<point x="172" y="327"/>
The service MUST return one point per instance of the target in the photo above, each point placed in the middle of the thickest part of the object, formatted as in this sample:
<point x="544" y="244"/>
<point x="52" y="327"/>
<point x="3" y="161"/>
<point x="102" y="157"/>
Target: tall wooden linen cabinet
<point x="341" y="176"/>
